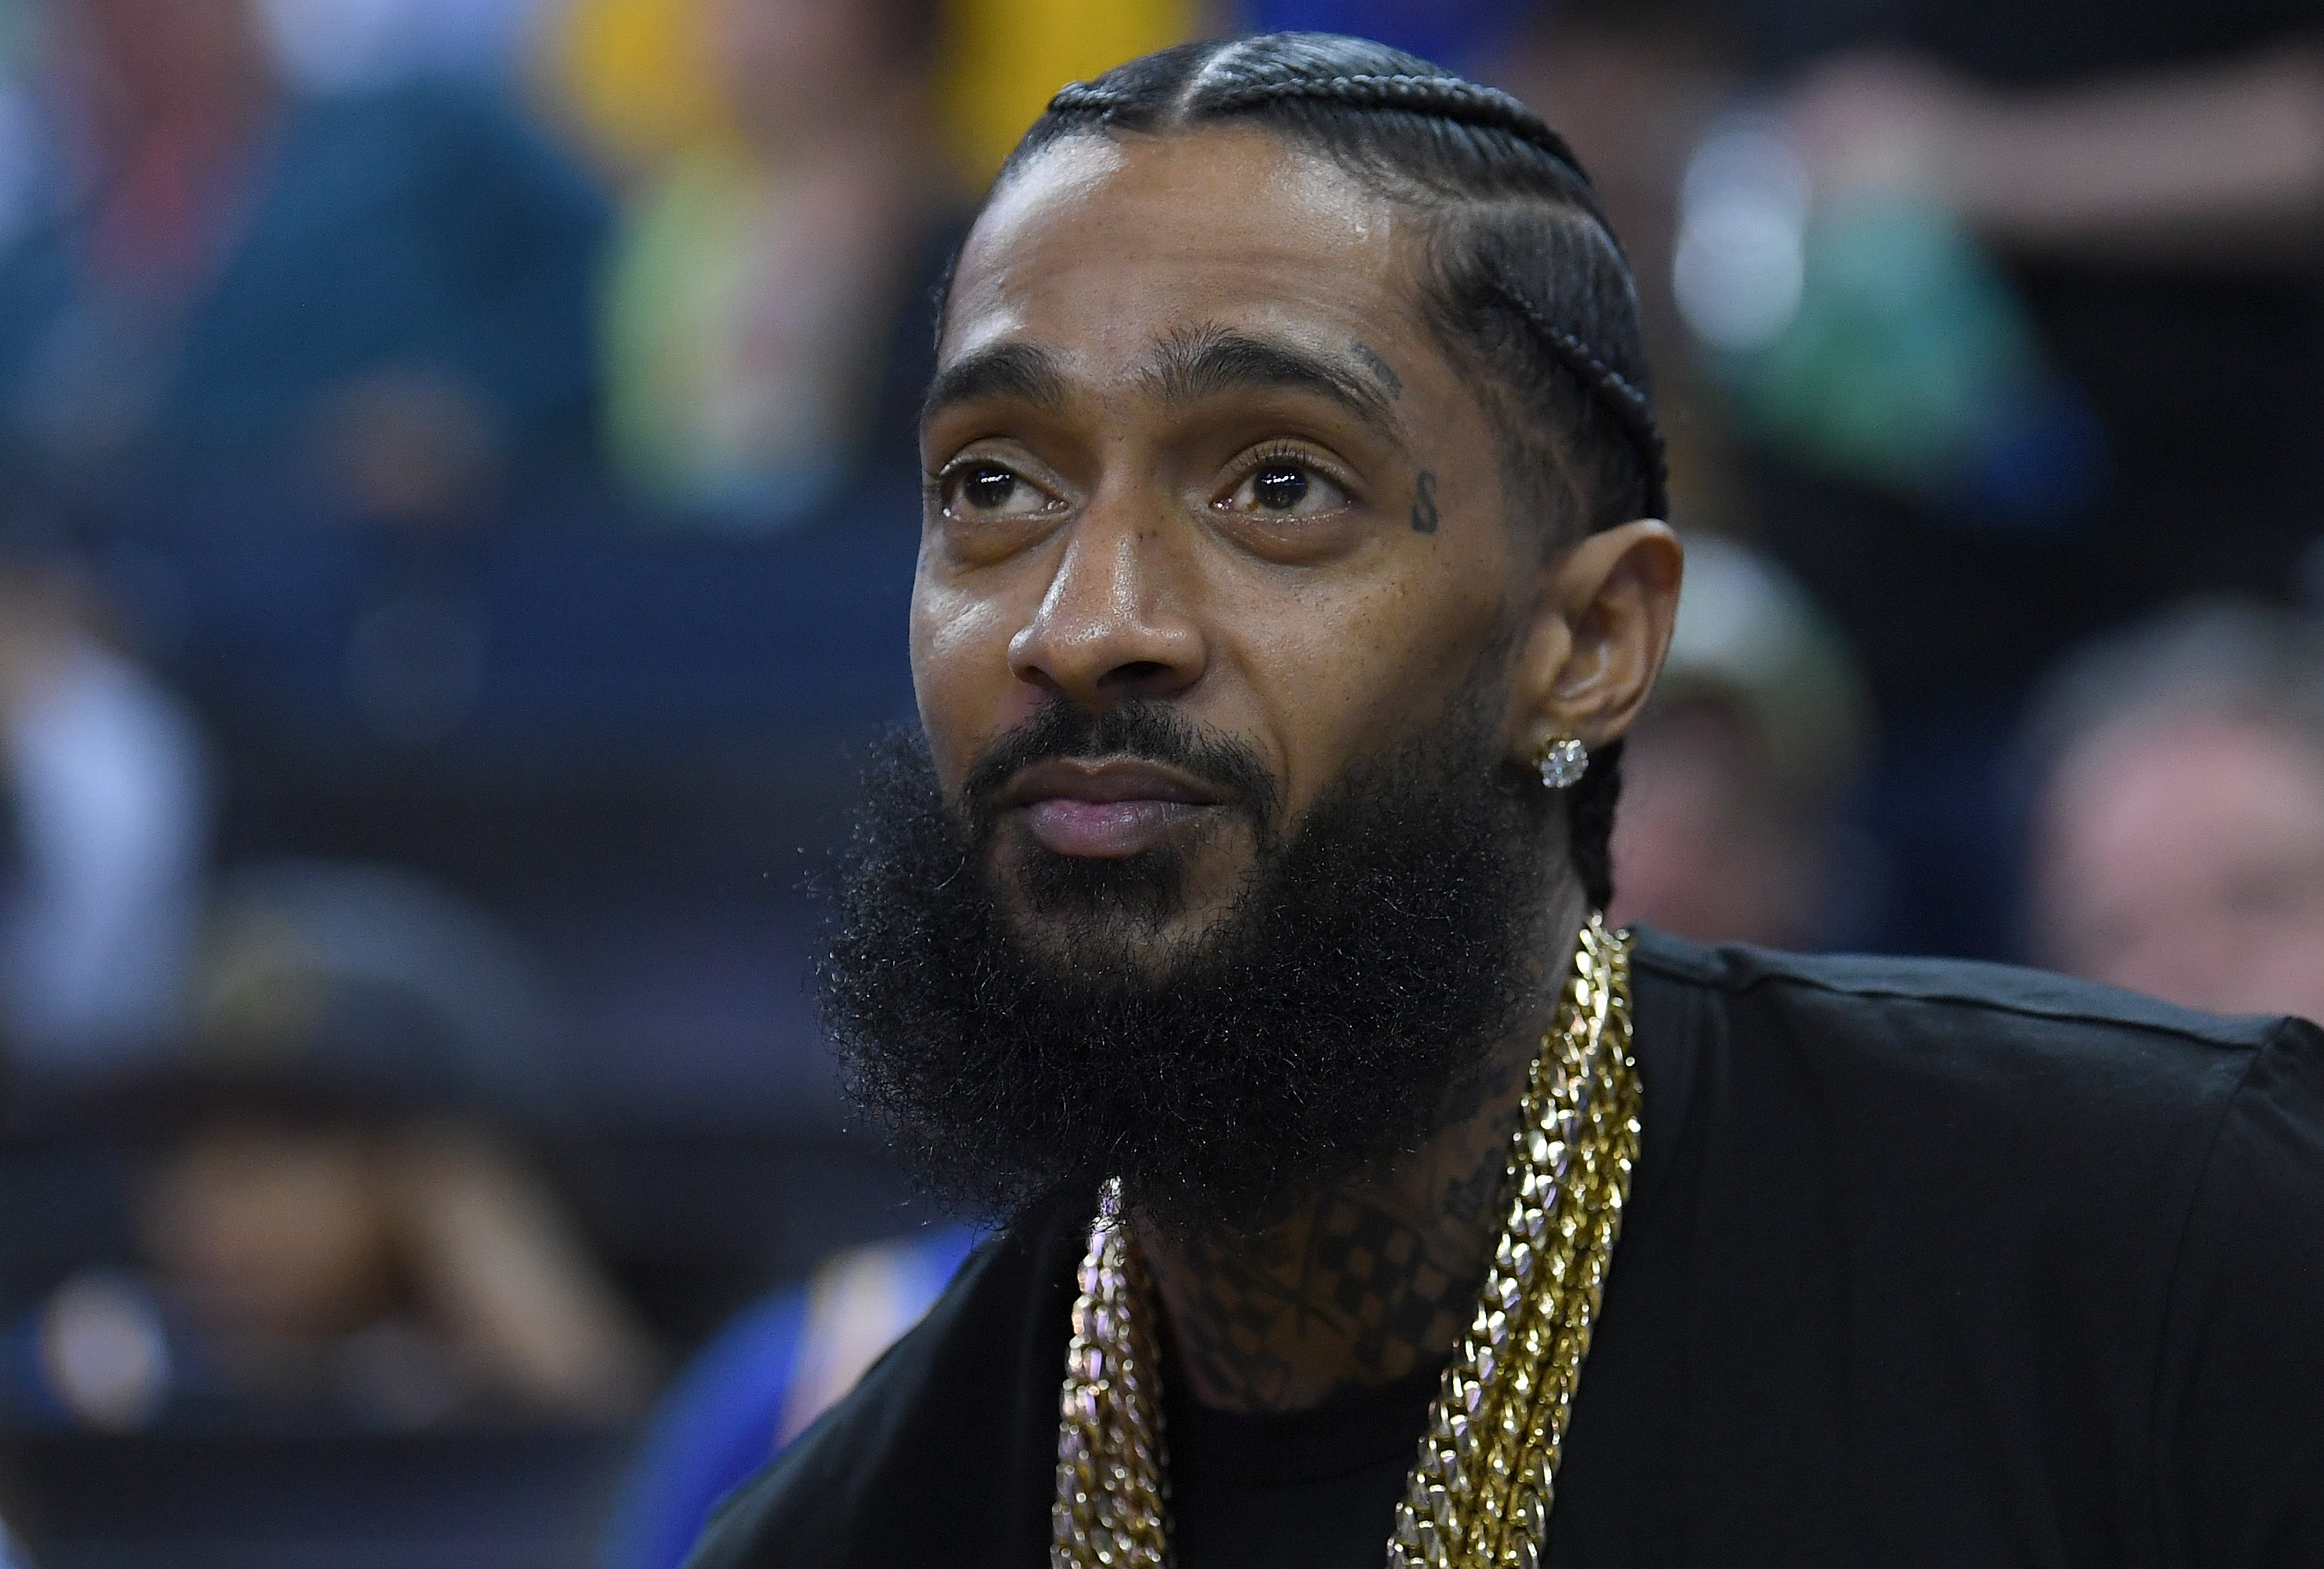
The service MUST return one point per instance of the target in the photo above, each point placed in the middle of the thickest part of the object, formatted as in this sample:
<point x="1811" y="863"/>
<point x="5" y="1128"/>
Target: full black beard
<point x="1372" y="960"/>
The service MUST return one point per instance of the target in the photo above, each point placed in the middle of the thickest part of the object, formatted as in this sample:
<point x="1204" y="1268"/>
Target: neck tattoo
<point x="1479" y="1493"/>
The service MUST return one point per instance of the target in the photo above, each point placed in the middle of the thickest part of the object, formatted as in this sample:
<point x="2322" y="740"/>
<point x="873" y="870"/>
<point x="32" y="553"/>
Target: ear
<point x="1601" y="623"/>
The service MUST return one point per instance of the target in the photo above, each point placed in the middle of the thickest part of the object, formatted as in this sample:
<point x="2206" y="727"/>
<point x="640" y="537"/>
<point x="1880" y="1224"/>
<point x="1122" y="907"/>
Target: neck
<point x="1370" y="1278"/>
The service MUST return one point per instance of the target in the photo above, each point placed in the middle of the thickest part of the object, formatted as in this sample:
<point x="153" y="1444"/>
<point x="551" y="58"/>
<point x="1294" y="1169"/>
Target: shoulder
<point x="949" y="1439"/>
<point x="2240" y="1430"/>
<point x="2101" y="1101"/>
<point x="1884" y="981"/>
<point x="1933" y="1016"/>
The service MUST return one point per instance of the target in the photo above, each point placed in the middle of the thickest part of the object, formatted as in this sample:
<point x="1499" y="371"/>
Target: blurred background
<point x="457" y="497"/>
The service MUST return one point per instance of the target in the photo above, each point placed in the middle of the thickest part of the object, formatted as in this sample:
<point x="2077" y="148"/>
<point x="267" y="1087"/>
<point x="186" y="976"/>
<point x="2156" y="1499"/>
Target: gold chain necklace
<point x="1480" y="1495"/>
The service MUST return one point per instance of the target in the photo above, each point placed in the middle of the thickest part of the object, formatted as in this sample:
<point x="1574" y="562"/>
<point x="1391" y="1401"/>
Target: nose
<point x="1115" y="622"/>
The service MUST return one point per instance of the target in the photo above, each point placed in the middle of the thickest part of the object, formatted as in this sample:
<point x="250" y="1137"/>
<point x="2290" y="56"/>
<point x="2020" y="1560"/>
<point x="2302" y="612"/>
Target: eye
<point x="982" y="489"/>
<point x="1287" y="487"/>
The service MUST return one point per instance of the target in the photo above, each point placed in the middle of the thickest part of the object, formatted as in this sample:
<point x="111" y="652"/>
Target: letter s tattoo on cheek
<point x="1423" y="503"/>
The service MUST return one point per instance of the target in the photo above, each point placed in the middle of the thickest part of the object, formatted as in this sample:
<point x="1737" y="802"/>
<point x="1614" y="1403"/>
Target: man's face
<point x="1228" y="658"/>
<point x="2182" y="855"/>
<point x="1191" y="443"/>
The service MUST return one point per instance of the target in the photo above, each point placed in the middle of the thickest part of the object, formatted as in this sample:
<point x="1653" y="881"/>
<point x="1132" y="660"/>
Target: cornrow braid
<point x="1457" y="102"/>
<point x="1629" y="404"/>
<point x="1084" y="98"/>
<point x="1525" y="284"/>
<point x="1442" y="98"/>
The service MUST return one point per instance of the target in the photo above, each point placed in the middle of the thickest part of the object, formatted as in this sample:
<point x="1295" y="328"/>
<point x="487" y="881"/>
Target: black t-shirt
<point x="1925" y="1263"/>
<point x="1301" y="1490"/>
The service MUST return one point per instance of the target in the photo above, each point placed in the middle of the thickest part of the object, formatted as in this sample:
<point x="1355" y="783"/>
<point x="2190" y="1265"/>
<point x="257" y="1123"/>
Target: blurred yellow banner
<point x="1007" y="58"/>
<point x="638" y="75"/>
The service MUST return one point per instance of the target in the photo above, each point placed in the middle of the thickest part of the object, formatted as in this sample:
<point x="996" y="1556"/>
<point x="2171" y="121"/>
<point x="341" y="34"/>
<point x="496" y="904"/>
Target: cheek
<point x="960" y="677"/>
<point x="1344" y="675"/>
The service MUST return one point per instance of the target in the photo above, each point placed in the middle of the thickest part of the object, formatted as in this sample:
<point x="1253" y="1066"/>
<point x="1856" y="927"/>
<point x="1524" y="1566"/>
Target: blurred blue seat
<point x="728" y="1413"/>
<point x="588" y="647"/>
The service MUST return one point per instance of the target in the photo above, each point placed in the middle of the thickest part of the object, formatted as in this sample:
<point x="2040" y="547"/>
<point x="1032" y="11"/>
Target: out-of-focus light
<point x="104" y="1352"/>
<point x="327" y="46"/>
<point x="1741" y="262"/>
<point x="343" y="46"/>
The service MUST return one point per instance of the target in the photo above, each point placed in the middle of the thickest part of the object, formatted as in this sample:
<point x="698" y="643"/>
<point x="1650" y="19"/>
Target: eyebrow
<point x="1188" y="366"/>
<point x="1194" y="364"/>
<point x="1023" y="372"/>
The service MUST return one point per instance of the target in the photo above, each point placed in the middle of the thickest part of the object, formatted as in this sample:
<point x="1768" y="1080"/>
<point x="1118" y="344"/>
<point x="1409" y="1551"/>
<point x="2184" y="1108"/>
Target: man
<point x="1290" y="577"/>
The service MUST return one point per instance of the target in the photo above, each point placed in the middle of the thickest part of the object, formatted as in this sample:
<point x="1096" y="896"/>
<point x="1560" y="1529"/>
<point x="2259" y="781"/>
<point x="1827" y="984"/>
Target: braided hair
<point x="1526" y="286"/>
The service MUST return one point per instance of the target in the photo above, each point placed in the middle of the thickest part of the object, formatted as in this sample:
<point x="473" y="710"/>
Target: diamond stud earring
<point x="1562" y="760"/>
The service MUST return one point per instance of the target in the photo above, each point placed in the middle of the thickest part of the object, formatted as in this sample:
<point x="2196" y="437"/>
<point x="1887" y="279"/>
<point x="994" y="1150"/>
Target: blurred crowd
<point x="457" y="483"/>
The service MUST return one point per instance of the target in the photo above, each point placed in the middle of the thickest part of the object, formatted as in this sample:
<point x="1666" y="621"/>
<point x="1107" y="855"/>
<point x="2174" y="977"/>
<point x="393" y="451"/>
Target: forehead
<point x="1101" y="244"/>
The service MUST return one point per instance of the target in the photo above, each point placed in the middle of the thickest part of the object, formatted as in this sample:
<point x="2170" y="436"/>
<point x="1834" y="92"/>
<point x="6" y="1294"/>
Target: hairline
<point x="1499" y="402"/>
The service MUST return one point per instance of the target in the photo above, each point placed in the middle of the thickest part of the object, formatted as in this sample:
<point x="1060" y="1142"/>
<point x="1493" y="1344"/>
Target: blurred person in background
<point x="1729" y="829"/>
<point x="1995" y="298"/>
<point x="106" y="783"/>
<point x="2178" y="835"/>
<point x="387" y="291"/>
<point x="767" y="320"/>
<point x="336" y="1224"/>
<point x="763" y="1380"/>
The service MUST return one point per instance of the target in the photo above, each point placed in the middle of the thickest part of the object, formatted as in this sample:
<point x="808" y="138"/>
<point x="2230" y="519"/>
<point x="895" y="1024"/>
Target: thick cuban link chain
<point x="1480" y="1492"/>
<point x="1113" y="1482"/>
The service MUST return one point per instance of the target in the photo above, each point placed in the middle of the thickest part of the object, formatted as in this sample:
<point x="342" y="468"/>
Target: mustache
<point x="1145" y="729"/>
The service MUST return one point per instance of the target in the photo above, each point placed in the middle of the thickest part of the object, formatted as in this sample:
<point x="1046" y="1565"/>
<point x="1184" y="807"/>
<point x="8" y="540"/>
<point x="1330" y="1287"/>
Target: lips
<point x="1105" y="809"/>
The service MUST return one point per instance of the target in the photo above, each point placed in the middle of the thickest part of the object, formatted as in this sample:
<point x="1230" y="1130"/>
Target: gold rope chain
<point x="1480" y="1494"/>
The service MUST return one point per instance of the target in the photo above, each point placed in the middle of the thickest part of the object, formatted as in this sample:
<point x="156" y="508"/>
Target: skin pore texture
<point x="1191" y="441"/>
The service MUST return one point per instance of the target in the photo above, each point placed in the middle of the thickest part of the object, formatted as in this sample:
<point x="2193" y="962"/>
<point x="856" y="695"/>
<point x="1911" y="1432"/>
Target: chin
<point x="1173" y="895"/>
<point x="1138" y="938"/>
